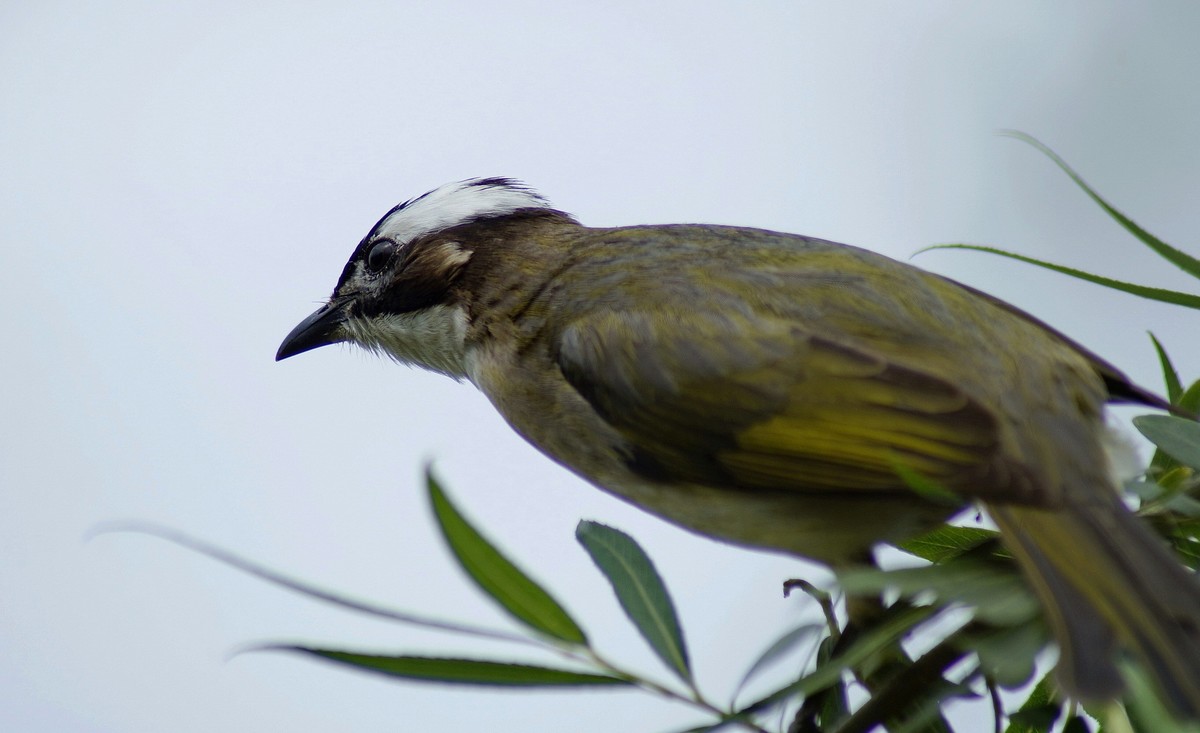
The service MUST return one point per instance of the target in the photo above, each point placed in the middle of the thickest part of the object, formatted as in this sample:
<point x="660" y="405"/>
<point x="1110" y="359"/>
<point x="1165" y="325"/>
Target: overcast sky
<point x="182" y="183"/>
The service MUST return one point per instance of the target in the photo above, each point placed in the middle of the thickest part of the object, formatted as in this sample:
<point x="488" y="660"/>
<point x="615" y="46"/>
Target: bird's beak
<point x="320" y="329"/>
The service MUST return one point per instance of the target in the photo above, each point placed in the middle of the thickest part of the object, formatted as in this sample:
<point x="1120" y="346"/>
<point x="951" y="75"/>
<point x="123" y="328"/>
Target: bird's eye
<point x="379" y="255"/>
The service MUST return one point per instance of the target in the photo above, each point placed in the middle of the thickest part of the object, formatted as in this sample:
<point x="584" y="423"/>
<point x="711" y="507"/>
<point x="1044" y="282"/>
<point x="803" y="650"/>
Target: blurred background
<point x="182" y="183"/>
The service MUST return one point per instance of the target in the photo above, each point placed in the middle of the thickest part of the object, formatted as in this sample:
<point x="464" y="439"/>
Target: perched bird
<point x="762" y="388"/>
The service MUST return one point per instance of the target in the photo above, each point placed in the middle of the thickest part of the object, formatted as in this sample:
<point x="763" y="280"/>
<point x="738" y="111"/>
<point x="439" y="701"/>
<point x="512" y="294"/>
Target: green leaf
<point x="1039" y="711"/>
<point x="640" y="591"/>
<point x="1160" y="294"/>
<point x="995" y="591"/>
<point x="1146" y="708"/>
<point x="1176" y="436"/>
<point x="923" y="715"/>
<point x="527" y="601"/>
<point x="1187" y="546"/>
<point x="1180" y="259"/>
<point x="462" y="671"/>
<point x="264" y="573"/>
<point x="1183" y="505"/>
<point x="1146" y="491"/>
<point x="1008" y="655"/>
<point x="835" y="705"/>
<point x="1190" y="400"/>
<point x="1077" y="724"/>
<point x="778" y="649"/>
<point x="870" y="642"/>
<point x="1034" y="720"/>
<point x="946" y="542"/>
<point x="1170" y="376"/>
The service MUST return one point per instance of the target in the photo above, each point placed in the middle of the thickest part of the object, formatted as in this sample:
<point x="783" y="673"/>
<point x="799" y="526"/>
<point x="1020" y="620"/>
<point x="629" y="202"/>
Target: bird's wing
<point x="709" y="397"/>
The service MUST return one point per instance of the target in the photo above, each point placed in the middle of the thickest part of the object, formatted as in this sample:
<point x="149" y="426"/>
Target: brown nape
<point x="508" y="244"/>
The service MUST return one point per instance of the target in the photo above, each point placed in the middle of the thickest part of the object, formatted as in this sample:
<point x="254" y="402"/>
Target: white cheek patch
<point x="432" y="338"/>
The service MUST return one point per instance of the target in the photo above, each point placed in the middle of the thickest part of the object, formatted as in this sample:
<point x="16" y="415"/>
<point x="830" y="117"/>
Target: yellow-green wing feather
<point x="709" y="399"/>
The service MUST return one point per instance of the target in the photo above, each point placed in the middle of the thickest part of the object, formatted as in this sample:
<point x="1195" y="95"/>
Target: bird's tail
<point x="1109" y="585"/>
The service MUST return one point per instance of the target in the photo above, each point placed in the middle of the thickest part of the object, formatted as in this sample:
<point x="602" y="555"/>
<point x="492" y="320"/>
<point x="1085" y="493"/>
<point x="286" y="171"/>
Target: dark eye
<point x="379" y="255"/>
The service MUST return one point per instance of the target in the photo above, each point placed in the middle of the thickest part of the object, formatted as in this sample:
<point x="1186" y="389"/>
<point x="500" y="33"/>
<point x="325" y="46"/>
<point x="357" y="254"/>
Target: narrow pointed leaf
<point x="1180" y="259"/>
<point x="639" y="590"/>
<point x="1187" y="547"/>
<point x="1170" y="376"/>
<point x="1190" y="400"/>
<point x="946" y="542"/>
<point x="1177" y="437"/>
<point x="1160" y="294"/>
<point x="781" y="647"/>
<point x="462" y="671"/>
<point x="265" y="573"/>
<point x="997" y="593"/>
<point x="516" y="593"/>
<point x="868" y="643"/>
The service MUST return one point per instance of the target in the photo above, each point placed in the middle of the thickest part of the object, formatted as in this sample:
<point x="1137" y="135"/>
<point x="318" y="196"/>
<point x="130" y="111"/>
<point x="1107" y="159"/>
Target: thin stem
<point x="997" y="705"/>
<point x="695" y="699"/>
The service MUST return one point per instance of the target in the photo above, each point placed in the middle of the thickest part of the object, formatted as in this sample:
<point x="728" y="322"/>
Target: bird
<point x="769" y="390"/>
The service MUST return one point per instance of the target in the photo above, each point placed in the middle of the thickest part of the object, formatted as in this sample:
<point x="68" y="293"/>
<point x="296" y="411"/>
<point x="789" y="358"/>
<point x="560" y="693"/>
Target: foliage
<point x="966" y="601"/>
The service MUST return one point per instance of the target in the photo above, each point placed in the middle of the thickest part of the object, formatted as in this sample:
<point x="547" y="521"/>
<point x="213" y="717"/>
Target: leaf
<point x="1184" y="505"/>
<point x="462" y="671"/>
<point x="1077" y="724"/>
<point x="1188" y="547"/>
<point x="527" y="601"/>
<point x="835" y="704"/>
<point x="264" y="573"/>
<point x="1146" y="707"/>
<point x="1144" y="291"/>
<point x="1039" y="711"/>
<point x="1170" y="376"/>
<point x="1008" y="655"/>
<point x="1162" y="462"/>
<point x="869" y="642"/>
<point x="777" y="650"/>
<point x="1180" y="259"/>
<point x="1146" y="491"/>
<point x="1176" y="436"/>
<point x="923" y="716"/>
<point x="946" y="542"/>
<point x="639" y="590"/>
<point x="1190" y="400"/>
<point x="995" y="591"/>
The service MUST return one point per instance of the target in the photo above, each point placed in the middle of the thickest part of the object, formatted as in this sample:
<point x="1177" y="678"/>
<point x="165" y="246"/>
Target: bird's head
<point x="397" y="292"/>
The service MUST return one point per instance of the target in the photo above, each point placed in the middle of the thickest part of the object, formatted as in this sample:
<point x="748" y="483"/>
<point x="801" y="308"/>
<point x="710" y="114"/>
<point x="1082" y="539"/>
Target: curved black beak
<point x="319" y="329"/>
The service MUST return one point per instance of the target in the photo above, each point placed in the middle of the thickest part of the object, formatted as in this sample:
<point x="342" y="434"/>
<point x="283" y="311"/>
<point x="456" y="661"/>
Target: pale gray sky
<point x="182" y="183"/>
